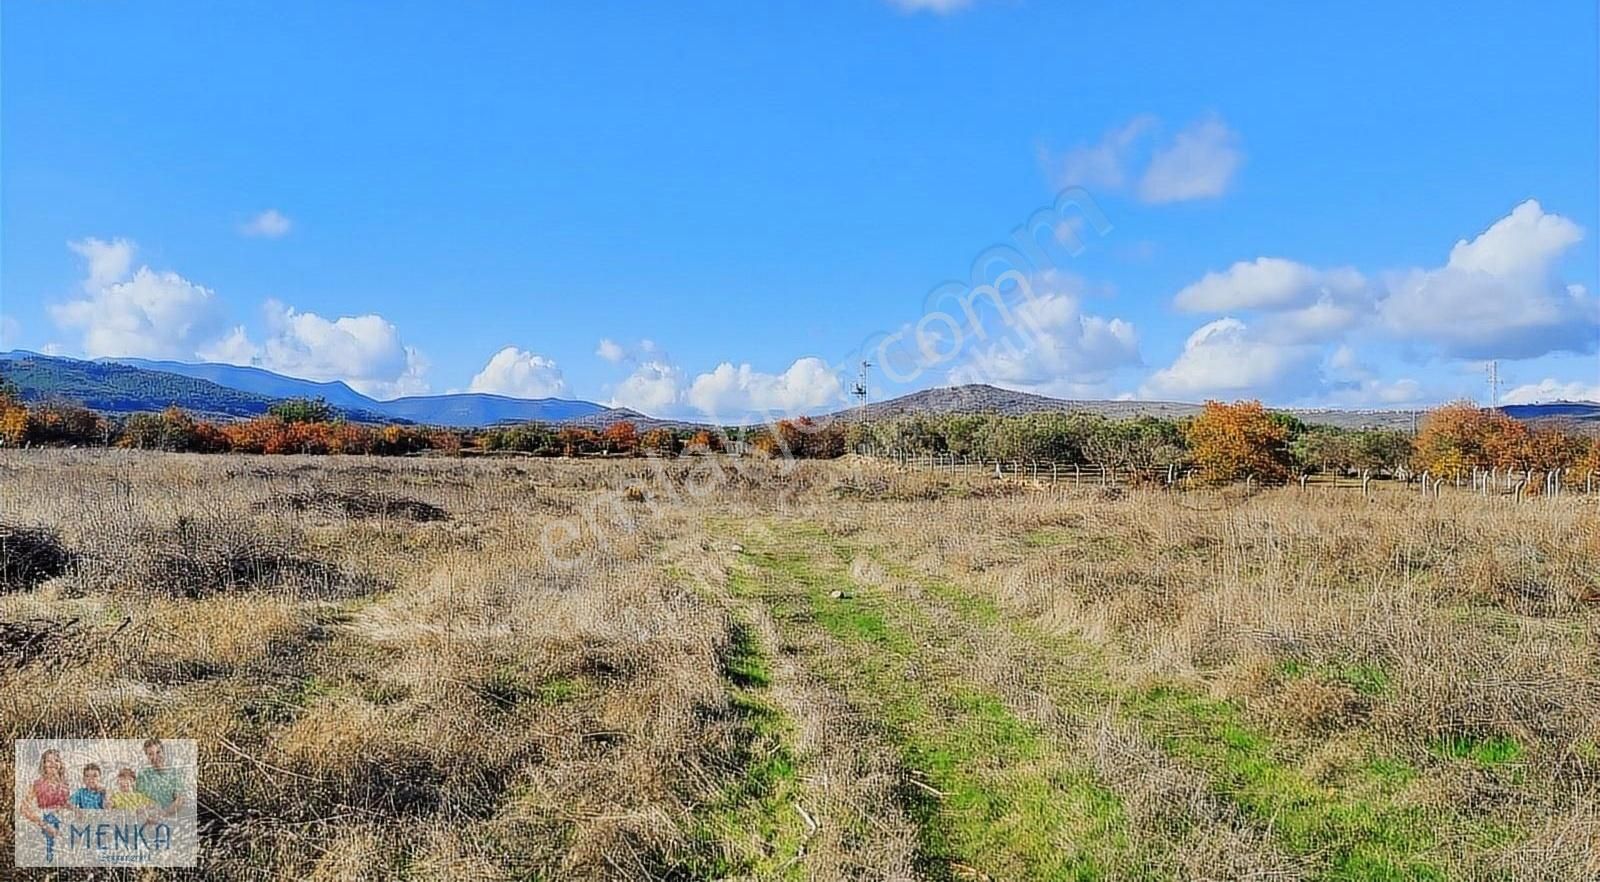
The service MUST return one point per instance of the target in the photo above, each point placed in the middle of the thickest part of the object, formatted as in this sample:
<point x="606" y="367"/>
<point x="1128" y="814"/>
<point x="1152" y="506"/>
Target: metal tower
<point x="861" y="390"/>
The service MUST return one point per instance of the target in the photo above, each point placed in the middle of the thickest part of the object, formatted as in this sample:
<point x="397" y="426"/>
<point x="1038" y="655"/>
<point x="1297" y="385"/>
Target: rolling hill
<point x="230" y="391"/>
<point x="461" y="409"/>
<point x="982" y="398"/>
<point x="258" y="381"/>
<point x="118" y="388"/>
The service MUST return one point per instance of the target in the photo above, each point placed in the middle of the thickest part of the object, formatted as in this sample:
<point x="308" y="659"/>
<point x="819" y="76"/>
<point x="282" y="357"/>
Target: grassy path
<point x="1362" y="828"/>
<point x="994" y="790"/>
<point x="1026" y="760"/>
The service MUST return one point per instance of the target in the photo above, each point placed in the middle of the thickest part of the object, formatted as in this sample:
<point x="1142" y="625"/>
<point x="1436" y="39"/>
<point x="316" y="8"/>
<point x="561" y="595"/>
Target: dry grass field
<point x="708" y="668"/>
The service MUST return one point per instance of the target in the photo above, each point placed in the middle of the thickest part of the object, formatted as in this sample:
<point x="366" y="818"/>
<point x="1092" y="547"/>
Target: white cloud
<point x="1326" y="319"/>
<point x="733" y="392"/>
<point x="1103" y="164"/>
<point x="150" y="314"/>
<point x="610" y="350"/>
<point x="1351" y="383"/>
<point x="1497" y="296"/>
<point x="1268" y="283"/>
<point x="1227" y="358"/>
<point x="107" y="262"/>
<point x="10" y="331"/>
<point x="1055" y="344"/>
<point x="655" y="388"/>
<point x="1550" y="389"/>
<point x="937" y="7"/>
<point x="364" y="351"/>
<point x="519" y="374"/>
<point x="234" y="347"/>
<point x="1376" y="393"/>
<point x="1199" y="164"/>
<point x="269" y="224"/>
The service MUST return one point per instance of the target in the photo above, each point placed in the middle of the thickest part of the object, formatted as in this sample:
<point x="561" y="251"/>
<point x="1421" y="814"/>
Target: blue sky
<point x="716" y="209"/>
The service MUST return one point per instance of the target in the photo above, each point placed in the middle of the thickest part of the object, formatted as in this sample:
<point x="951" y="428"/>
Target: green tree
<point x="303" y="410"/>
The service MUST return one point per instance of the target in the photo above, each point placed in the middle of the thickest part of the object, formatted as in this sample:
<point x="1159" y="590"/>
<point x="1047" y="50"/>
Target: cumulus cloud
<point x="610" y="350"/>
<point x="729" y="391"/>
<point x="1268" y="283"/>
<point x="146" y="314"/>
<point x="269" y="224"/>
<point x="106" y="262"/>
<point x="235" y="347"/>
<point x="1550" y="389"/>
<point x="1199" y="164"/>
<point x="364" y="351"/>
<point x="1228" y="358"/>
<point x="10" y="331"/>
<point x="519" y="374"/>
<point x="1497" y="296"/>
<point x="655" y="388"/>
<point x="1056" y="344"/>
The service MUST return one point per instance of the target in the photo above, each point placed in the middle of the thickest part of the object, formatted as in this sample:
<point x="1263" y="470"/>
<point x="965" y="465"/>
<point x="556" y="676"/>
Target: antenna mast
<point x="861" y="390"/>
<point x="1494" y="384"/>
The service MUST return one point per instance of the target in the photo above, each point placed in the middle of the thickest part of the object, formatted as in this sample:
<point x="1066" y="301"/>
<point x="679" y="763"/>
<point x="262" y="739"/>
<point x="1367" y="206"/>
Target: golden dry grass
<point x="512" y="669"/>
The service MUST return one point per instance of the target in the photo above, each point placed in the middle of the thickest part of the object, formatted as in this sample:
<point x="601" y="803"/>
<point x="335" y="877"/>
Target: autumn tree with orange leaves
<point x="1232" y="442"/>
<point x="13" y="415"/>
<point x="1462" y="436"/>
<point x="620" y="437"/>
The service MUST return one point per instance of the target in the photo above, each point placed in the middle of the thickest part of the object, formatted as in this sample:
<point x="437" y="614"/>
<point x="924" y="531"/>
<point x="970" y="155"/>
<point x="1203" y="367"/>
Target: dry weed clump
<point x="30" y="556"/>
<point x="355" y="504"/>
<point x="197" y="555"/>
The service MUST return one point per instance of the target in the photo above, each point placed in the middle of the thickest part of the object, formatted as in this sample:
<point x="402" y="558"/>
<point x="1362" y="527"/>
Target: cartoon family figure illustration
<point x="156" y="791"/>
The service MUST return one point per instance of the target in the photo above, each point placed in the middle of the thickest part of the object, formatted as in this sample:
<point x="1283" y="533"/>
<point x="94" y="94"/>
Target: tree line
<point x="1243" y="440"/>
<point x="1223" y="443"/>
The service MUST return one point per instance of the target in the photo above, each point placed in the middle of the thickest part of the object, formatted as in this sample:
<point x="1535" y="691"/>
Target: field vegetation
<point x="719" y="667"/>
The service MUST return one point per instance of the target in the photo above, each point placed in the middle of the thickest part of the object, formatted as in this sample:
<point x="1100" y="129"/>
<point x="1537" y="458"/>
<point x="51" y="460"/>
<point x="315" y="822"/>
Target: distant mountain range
<point x="460" y="409"/>
<point x="131" y="385"/>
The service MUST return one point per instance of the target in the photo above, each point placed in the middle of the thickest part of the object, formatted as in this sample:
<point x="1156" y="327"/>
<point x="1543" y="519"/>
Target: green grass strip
<point x="991" y="792"/>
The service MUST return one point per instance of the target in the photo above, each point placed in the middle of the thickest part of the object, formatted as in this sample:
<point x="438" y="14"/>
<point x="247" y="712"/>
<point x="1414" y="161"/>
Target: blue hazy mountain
<point x="131" y="385"/>
<point x="1575" y="411"/>
<point x="461" y="409"/>
<point x="256" y="380"/>
<point x="479" y="409"/>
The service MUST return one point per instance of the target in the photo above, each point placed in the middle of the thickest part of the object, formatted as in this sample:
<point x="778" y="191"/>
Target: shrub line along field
<point x="817" y="670"/>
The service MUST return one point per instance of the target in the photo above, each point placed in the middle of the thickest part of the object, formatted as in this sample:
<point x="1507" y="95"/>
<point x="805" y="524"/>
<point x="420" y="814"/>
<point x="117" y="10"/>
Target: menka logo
<point x="105" y="802"/>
